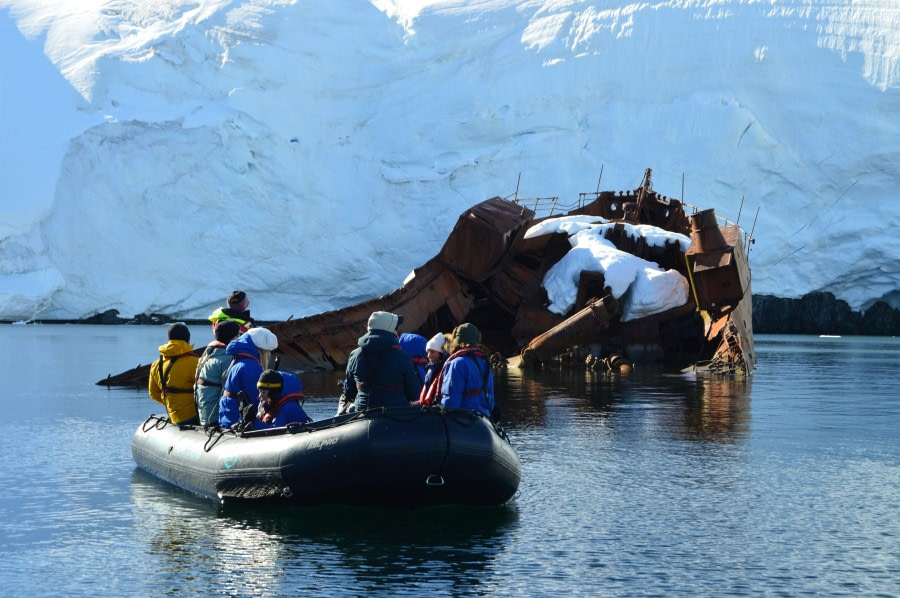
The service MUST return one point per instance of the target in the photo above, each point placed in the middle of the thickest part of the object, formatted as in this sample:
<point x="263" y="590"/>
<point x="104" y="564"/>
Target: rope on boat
<point x="158" y="423"/>
<point x="462" y="418"/>
<point x="210" y="433"/>
<point x="297" y="427"/>
<point x="438" y="478"/>
<point x="501" y="432"/>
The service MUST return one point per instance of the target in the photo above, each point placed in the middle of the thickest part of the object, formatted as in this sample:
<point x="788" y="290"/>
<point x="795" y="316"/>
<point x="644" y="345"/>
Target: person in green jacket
<point x="236" y="310"/>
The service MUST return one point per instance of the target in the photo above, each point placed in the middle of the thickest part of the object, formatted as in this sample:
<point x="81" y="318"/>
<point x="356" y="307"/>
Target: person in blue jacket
<point x="279" y="400"/>
<point x="251" y="352"/>
<point x="414" y="345"/>
<point x="467" y="382"/>
<point x="379" y="372"/>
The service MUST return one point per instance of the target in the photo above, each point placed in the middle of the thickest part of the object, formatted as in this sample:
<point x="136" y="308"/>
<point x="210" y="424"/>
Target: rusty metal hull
<point x="325" y="340"/>
<point x="585" y="326"/>
<point x="136" y="376"/>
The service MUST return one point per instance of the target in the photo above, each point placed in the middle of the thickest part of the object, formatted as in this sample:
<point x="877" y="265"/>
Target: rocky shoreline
<point x="822" y="313"/>
<point x="112" y="317"/>
<point x="814" y="313"/>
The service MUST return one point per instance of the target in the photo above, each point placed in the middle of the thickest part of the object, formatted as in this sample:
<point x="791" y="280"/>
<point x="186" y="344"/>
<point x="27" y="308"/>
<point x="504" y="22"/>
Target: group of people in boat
<point x="389" y="369"/>
<point x="230" y="384"/>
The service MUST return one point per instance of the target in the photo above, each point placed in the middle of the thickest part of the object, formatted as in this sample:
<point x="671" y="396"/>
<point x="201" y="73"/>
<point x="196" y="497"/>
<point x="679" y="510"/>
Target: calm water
<point x="787" y="485"/>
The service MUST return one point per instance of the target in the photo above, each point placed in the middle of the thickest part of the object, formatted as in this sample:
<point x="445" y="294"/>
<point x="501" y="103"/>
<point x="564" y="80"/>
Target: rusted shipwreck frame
<point x="489" y="274"/>
<point x="136" y="376"/>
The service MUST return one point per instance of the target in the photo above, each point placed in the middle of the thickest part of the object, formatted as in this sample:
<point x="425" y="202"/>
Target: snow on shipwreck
<point x="621" y="277"/>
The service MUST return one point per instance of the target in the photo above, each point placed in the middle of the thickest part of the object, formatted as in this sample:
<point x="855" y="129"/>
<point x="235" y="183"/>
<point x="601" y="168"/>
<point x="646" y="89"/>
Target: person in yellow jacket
<point x="172" y="377"/>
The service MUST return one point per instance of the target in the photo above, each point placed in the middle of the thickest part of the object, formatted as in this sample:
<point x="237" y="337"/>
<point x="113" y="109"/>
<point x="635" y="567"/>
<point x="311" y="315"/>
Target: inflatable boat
<point x="401" y="457"/>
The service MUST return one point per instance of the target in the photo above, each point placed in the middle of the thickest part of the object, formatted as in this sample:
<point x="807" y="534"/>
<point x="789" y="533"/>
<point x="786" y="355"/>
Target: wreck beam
<point x="584" y="326"/>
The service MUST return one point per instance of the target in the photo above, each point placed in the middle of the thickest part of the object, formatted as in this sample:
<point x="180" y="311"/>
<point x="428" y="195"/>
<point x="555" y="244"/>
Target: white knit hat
<point x="384" y="320"/>
<point x="263" y="339"/>
<point x="436" y="343"/>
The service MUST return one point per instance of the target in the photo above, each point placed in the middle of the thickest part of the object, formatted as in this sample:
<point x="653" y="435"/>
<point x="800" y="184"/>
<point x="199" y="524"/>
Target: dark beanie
<point x="467" y="334"/>
<point x="227" y="330"/>
<point x="272" y="381"/>
<point x="179" y="332"/>
<point x="236" y="297"/>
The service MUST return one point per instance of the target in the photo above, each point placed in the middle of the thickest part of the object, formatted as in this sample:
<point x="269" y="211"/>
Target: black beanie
<point x="236" y="297"/>
<point x="227" y="330"/>
<point x="179" y="332"/>
<point x="272" y="381"/>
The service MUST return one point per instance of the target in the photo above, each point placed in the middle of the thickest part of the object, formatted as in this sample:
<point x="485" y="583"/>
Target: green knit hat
<point x="467" y="334"/>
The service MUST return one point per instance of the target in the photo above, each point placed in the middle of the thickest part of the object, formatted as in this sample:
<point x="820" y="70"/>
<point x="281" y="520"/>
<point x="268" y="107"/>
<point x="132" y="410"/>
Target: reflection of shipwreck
<point x="490" y="273"/>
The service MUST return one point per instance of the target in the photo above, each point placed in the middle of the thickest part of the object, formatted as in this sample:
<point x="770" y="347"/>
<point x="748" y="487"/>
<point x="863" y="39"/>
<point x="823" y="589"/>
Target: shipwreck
<point x="497" y="265"/>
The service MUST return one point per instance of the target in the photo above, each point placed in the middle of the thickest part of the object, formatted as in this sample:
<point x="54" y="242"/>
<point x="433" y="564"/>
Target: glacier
<point x="158" y="154"/>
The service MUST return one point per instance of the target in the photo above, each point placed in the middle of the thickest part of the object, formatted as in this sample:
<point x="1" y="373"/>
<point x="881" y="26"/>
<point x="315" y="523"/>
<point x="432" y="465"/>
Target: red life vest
<point x="268" y="415"/>
<point x="430" y="395"/>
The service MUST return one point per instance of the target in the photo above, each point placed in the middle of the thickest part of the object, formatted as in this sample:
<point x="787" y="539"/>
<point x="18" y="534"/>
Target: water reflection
<point x="408" y="548"/>
<point x="704" y="408"/>
<point x="690" y="407"/>
<point x="249" y="548"/>
<point x="720" y="410"/>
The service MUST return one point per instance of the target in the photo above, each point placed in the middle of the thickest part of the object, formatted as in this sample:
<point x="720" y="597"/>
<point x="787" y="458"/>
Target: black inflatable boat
<point x="400" y="457"/>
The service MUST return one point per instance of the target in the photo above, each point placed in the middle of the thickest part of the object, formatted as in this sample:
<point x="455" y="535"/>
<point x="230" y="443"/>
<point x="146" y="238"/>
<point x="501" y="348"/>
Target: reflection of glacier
<point x="627" y="274"/>
<point x="251" y="551"/>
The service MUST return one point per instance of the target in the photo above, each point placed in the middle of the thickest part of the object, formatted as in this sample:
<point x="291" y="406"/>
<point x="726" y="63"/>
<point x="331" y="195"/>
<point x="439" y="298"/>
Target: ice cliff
<point x="156" y="155"/>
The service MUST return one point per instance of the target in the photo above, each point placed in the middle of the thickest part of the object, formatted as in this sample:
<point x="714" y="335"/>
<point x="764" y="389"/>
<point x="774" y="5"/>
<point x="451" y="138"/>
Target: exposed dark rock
<point x="821" y="313"/>
<point x="881" y="320"/>
<point x="110" y="316"/>
<point x="151" y="319"/>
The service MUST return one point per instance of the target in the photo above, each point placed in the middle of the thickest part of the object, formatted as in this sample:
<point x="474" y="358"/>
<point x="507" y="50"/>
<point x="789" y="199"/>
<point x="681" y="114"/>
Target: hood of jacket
<point x="413" y="344"/>
<point x="292" y="384"/>
<point x="377" y="340"/>
<point x="242" y="344"/>
<point x="175" y="348"/>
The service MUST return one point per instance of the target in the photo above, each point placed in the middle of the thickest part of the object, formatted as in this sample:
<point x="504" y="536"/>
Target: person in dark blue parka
<point x="251" y="354"/>
<point x="279" y="400"/>
<point x="379" y="372"/>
